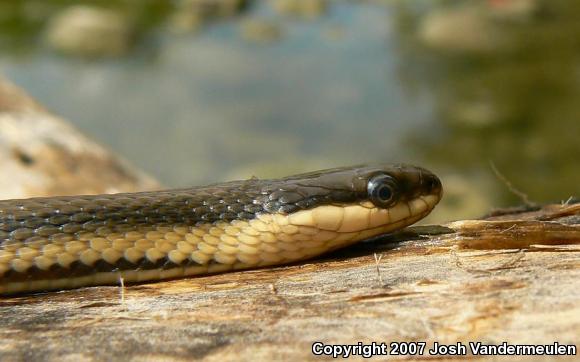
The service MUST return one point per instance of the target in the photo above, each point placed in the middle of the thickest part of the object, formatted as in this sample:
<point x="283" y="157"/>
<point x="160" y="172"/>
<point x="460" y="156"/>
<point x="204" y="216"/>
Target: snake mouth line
<point x="170" y="245"/>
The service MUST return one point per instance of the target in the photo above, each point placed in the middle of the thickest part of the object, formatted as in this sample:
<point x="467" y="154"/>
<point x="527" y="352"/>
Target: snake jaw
<point x="364" y="216"/>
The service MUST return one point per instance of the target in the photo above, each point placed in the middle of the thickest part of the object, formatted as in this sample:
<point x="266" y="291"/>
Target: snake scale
<point x="55" y="243"/>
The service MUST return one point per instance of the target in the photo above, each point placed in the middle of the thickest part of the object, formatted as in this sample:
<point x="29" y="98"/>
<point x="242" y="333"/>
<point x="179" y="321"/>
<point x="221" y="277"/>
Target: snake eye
<point x="382" y="190"/>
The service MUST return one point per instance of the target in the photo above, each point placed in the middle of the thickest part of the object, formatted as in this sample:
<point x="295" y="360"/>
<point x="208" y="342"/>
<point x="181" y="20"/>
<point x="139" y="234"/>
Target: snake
<point x="67" y="242"/>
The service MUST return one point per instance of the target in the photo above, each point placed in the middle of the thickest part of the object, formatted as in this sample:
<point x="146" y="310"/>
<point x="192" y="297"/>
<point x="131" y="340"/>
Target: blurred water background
<point x="196" y="91"/>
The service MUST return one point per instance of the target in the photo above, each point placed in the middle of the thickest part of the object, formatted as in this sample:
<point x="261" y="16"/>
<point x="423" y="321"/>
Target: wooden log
<point x="514" y="278"/>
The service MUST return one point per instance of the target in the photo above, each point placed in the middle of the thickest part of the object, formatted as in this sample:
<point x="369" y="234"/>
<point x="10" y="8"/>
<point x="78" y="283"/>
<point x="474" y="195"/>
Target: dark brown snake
<point x="54" y="243"/>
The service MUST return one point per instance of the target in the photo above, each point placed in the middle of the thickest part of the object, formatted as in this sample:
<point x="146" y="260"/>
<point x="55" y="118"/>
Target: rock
<point x="207" y="9"/>
<point x="42" y="155"/>
<point x="301" y="8"/>
<point x="190" y="15"/>
<point x="260" y="30"/>
<point x="463" y="29"/>
<point x="88" y="31"/>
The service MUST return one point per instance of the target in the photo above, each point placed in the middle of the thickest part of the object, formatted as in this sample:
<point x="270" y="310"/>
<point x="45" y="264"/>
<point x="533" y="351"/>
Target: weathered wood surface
<point x="42" y="155"/>
<point x="513" y="278"/>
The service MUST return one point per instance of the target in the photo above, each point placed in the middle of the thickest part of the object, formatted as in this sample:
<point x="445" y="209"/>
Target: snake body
<point x="54" y="243"/>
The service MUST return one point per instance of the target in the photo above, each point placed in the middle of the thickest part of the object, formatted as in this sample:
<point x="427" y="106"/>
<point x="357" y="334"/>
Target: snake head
<point x="367" y="199"/>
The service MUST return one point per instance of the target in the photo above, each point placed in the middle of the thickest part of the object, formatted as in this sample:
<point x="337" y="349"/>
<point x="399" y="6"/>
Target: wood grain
<point x="435" y="284"/>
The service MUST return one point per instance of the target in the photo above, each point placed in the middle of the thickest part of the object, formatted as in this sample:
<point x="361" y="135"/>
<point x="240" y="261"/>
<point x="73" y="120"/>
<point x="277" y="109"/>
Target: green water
<point x="358" y="83"/>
